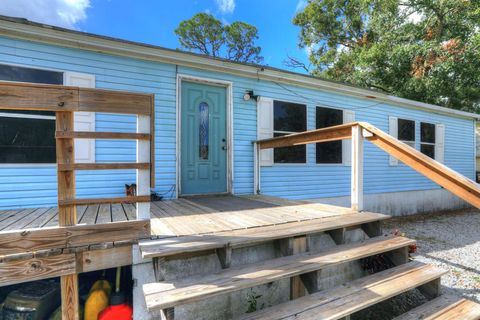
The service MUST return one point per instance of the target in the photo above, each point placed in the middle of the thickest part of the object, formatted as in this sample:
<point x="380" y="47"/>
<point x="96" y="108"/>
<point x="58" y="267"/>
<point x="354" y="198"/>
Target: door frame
<point x="228" y="85"/>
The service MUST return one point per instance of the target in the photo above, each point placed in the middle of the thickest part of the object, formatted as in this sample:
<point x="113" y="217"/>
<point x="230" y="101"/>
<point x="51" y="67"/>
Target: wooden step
<point x="164" y="295"/>
<point x="354" y="296"/>
<point x="245" y="237"/>
<point x="445" y="307"/>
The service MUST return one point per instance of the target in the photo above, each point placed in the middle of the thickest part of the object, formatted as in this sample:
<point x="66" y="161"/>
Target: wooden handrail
<point x="41" y="97"/>
<point x="451" y="180"/>
<point x="334" y="133"/>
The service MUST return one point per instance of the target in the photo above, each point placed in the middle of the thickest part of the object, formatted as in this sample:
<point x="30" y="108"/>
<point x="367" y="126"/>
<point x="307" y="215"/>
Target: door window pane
<point x="328" y="152"/>
<point x="289" y="118"/>
<point x="203" y="130"/>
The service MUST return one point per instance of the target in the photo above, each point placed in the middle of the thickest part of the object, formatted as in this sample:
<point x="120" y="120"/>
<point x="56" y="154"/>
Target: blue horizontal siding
<point x="33" y="186"/>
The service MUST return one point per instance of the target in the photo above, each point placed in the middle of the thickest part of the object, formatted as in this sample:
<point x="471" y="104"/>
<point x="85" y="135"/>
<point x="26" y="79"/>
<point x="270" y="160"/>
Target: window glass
<point x="328" y="152"/>
<point x="24" y="140"/>
<point x="427" y="132"/>
<point x="427" y="139"/>
<point x="203" y="128"/>
<point x="289" y="118"/>
<point x="406" y="132"/>
<point x="28" y="136"/>
<point x="21" y="74"/>
<point x="428" y="149"/>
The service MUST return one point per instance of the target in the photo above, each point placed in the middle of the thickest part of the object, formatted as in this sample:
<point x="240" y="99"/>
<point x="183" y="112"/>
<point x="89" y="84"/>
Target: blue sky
<point x="154" y="21"/>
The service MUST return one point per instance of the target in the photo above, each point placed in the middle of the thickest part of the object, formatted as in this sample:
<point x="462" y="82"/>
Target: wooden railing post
<point x="67" y="213"/>
<point x="143" y="175"/>
<point x="357" y="169"/>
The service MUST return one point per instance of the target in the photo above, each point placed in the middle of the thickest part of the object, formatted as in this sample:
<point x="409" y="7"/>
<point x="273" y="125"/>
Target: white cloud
<point x="301" y="5"/>
<point x="226" y="6"/>
<point x="62" y="13"/>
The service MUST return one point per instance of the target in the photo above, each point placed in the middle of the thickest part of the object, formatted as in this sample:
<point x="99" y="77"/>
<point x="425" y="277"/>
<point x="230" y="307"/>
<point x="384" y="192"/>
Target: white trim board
<point x="27" y="30"/>
<point x="228" y="85"/>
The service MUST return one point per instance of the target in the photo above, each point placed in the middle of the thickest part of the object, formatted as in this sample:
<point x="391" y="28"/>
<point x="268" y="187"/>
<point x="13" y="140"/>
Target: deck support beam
<point x="357" y="169"/>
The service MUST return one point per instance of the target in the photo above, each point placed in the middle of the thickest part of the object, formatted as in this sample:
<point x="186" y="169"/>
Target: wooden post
<point x="143" y="175"/>
<point x="67" y="214"/>
<point x="357" y="169"/>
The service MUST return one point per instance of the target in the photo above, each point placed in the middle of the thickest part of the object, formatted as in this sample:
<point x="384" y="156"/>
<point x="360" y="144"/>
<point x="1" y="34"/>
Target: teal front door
<point x="203" y="139"/>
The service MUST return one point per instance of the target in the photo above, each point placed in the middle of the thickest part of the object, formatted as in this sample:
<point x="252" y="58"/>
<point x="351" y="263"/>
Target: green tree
<point x="205" y="34"/>
<point x="427" y="50"/>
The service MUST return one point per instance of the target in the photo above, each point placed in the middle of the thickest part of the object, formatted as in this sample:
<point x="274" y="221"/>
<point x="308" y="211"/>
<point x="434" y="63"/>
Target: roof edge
<point x="27" y="30"/>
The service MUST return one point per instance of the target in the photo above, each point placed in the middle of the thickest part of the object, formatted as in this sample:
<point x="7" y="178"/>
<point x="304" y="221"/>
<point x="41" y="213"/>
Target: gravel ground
<point x="450" y="241"/>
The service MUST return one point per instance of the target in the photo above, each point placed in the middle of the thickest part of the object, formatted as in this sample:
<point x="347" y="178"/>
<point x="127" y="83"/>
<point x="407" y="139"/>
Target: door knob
<point x="224" y="148"/>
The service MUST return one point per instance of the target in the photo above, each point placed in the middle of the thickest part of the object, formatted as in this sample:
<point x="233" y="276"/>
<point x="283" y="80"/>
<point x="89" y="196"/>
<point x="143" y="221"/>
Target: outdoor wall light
<point x="250" y="95"/>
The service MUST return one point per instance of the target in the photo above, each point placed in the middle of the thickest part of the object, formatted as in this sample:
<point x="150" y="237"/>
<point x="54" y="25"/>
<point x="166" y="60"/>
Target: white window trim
<point x="289" y="132"/>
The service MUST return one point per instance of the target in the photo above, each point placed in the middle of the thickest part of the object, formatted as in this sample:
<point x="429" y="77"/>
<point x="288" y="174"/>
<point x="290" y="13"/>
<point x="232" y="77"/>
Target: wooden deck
<point x="185" y="216"/>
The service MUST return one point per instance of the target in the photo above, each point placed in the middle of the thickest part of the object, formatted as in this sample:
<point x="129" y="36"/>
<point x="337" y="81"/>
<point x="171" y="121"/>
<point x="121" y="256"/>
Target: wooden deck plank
<point x="445" y="307"/>
<point x="26" y="219"/>
<point x="118" y="214"/>
<point x="170" y="222"/>
<point x="90" y="214"/>
<point x="241" y="277"/>
<point x="245" y="237"/>
<point x="207" y="215"/>
<point x="17" y="216"/>
<point x="104" y="214"/>
<point x="50" y="215"/>
<point x="185" y="216"/>
<point x="354" y="296"/>
<point x="130" y="210"/>
<point x="216" y="216"/>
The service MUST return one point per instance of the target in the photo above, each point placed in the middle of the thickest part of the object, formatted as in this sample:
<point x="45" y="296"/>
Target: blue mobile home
<point x="207" y="113"/>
